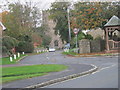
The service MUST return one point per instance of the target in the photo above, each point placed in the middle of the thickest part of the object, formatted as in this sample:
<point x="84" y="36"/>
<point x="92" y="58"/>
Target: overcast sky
<point x="42" y="4"/>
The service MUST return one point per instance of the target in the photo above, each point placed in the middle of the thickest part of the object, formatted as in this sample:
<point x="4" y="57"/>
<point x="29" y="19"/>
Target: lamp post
<point x="68" y="12"/>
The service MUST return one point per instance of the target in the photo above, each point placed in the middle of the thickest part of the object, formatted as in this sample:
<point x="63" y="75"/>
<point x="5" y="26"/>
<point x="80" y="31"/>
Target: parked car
<point x="51" y="49"/>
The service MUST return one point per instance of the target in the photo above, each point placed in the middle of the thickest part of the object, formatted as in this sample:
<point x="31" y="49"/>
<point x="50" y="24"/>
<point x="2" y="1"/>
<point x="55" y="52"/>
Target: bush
<point x="9" y="42"/>
<point x="25" y="47"/>
<point x="26" y="38"/>
<point x="81" y="35"/>
<point x="88" y="36"/>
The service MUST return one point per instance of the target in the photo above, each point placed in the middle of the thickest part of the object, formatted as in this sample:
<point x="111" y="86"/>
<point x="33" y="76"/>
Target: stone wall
<point x="90" y="46"/>
<point x="84" y="46"/>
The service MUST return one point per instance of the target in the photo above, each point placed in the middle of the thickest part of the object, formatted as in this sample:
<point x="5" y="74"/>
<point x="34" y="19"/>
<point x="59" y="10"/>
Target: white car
<point x="51" y="49"/>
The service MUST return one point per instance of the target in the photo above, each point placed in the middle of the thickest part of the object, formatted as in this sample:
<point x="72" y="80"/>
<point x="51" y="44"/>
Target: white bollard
<point x="37" y="51"/>
<point x="11" y="59"/>
<point x="68" y="50"/>
<point x="40" y="51"/>
<point x="65" y="50"/>
<point x="18" y="54"/>
<point x="14" y="56"/>
<point x="23" y="53"/>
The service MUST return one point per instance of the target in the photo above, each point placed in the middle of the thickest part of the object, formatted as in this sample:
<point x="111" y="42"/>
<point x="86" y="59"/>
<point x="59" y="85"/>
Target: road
<point x="106" y="65"/>
<point x="104" y="78"/>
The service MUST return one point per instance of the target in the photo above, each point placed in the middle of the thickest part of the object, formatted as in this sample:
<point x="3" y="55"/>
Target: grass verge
<point x="69" y="53"/>
<point x="22" y="72"/>
<point x="6" y="60"/>
<point x="88" y="54"/>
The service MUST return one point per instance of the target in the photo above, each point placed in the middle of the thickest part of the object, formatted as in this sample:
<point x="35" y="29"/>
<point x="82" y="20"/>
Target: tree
<point x="58" y="13"/>
<point x="25" y="47"/>
<point x="89" y="15"/>
<point x="20" y="20"/>
<point x="46" y="39"/>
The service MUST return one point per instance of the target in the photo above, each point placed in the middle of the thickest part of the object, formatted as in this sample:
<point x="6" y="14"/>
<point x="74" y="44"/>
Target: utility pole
<point x="68" y="11"/>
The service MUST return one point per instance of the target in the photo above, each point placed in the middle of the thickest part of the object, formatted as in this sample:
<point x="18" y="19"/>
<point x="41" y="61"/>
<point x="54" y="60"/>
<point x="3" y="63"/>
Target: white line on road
<point x="83" y="75"/>
<point x="104" y="68"/>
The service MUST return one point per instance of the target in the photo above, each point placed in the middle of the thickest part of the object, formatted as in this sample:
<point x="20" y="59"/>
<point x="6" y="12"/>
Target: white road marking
<point x="104" y="68"/>
<point x="82" y="76"/>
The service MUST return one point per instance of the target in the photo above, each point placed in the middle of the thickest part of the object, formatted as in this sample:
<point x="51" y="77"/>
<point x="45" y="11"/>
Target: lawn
<point x="6" y="60"/>
<point x="22" y="72"/>
<point x="69" y="53"/>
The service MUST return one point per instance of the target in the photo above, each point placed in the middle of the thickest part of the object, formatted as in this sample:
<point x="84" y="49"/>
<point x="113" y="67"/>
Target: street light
<point x="68" y="11"/>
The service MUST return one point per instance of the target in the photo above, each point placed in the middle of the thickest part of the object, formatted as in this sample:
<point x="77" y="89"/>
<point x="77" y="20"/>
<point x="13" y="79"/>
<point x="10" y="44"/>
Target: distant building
<point x="55" y="39"/>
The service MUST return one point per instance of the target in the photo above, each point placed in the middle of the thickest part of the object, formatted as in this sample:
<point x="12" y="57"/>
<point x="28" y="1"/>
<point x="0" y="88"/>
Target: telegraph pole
<point x="68" y="11"/>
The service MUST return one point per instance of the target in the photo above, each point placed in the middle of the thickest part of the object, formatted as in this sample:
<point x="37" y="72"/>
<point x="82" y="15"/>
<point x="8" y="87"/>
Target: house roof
<point x="114" y="21"/>
<point x="3" y="27"/>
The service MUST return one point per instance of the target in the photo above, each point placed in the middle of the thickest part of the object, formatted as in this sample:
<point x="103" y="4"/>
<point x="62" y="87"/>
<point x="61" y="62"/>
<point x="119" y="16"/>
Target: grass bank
<point x="22" y="72"/>
<point x="69" y="53"/>
<point x="89" y="54"/>
<point x="6" y="60"/>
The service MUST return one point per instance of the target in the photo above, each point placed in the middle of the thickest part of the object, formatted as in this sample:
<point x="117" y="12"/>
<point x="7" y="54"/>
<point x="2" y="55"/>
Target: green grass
<point x="69" y="53"/>
<point x="6" y="60"/>
<point x="106" y="54"/>
<point x="12" y="78"/>
<point x="21" y="72"/>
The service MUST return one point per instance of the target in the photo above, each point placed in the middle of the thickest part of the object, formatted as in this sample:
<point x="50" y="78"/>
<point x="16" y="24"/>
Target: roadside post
<point x="23" y="53"/>
<point x="14" y="56"/>
<point x="76" y="32"/>
<point x="18" y="54"/>
<point x="11" y="59"/>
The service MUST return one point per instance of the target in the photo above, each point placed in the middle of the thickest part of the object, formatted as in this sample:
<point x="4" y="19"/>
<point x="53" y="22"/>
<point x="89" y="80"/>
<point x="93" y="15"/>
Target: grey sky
<point x="41" y="4"/>
<point x="44" y="4"/>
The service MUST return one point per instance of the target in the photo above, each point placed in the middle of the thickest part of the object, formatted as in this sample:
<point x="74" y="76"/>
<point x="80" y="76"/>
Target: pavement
<point x="76" y="65"/>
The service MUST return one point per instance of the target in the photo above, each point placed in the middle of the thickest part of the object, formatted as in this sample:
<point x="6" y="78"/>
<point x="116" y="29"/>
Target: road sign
<point x="75" y="30"/>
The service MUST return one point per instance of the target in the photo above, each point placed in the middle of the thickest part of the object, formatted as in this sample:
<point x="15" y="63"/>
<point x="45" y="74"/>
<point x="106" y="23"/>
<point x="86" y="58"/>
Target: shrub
<point x="25" y="47"/>
<point x="88" y="36"/>
<point x="26" y="38"/>
<point x="81" y="35"/>
<point x="9" y="42"/>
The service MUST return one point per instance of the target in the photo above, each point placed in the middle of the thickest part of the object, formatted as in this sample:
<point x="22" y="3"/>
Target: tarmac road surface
<point x="76" y="65"/>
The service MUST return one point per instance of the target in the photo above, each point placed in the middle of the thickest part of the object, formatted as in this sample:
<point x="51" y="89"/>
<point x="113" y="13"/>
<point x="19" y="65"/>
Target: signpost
<point x="76" y="32"/>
